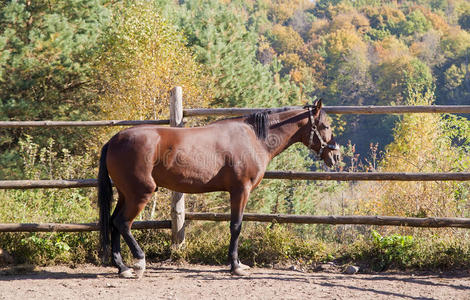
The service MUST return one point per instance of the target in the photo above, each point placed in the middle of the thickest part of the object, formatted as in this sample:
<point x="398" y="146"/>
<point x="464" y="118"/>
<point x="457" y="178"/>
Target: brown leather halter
<point x="314" y="131"/>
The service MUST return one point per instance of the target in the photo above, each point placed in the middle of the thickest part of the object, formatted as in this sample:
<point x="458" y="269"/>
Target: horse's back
<point x="205" y="159"/>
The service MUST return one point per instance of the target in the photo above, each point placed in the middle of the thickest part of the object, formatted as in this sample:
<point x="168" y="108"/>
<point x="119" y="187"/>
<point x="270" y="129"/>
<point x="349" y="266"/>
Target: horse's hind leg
<point x="124" y="271"/>
<point x="123" y="222"/>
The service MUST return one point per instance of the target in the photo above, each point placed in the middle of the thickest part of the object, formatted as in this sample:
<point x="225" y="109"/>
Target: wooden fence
<point x="178" y="215"/>
<point x="289" y="175"/>
<point x="271" y="218"/>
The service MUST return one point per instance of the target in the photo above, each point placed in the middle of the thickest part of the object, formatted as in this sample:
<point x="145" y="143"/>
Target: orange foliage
<point x="296" y="75"/>
<point x="384" y="15"/>
<point x="390" y="48"/>
<point x="437" y="21"/>
<point x="350" y="21"/>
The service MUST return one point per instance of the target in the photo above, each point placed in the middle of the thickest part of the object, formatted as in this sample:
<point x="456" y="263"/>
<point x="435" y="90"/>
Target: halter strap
<point x="314" y="131"/>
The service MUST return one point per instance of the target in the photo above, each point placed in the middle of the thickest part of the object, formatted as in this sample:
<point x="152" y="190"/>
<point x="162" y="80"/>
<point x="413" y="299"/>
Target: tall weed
<point x="49" y="205"/>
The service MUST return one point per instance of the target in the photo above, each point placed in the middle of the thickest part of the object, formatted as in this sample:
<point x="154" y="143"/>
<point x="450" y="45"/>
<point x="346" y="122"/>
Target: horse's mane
<point x="260" y="123"/>
<point x="260" y="120"/>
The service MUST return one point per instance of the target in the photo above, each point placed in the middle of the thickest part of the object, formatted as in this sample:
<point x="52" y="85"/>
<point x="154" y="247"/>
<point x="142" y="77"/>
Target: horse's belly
<point x="189" y="178"/>
<point x="199" y="170"/>
<point x="187" y="184"/>
<point x="191" y="187"/>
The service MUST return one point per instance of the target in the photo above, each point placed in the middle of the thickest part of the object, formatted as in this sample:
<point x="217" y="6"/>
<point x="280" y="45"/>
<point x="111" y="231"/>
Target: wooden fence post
<point x="177" y="199"/>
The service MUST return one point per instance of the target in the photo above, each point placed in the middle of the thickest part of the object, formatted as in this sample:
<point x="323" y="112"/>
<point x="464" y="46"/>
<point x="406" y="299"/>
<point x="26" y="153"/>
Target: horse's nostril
<point x="337" y="158"/>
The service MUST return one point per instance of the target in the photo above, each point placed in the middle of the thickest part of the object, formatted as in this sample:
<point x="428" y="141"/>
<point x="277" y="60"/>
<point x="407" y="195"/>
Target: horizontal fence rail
<point x="399" y="109"/>
<point x="45" y="184"/>
<point x="338" y="220"/>
<point x="369" y="176"/>
<point x="193" y="112"/>
<point x="269" y="218"/>
<point x="12" y="124"/>
<point x="337" y="176"/>
<point x="81" y="227"/>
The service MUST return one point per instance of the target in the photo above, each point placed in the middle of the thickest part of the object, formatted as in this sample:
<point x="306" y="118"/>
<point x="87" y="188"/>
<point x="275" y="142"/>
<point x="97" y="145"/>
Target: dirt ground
<point x="170" y="281"/>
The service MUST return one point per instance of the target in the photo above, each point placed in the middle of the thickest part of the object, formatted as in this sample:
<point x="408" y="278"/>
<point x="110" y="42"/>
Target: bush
<point x="436" y="251"/>
<point x="51" y="248"/>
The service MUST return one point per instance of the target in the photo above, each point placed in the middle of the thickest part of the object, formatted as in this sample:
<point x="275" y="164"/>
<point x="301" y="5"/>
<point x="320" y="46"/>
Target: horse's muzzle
<point x="332" y="158"/>
<point x="337" y="158"/>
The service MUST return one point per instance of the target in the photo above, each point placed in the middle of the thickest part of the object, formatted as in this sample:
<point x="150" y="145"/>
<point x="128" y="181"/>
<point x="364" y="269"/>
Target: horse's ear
<point x="318" y="106"/>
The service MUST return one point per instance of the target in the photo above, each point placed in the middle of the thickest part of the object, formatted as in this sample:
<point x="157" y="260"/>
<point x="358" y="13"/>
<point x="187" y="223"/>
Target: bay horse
<point x="226" y="155"/>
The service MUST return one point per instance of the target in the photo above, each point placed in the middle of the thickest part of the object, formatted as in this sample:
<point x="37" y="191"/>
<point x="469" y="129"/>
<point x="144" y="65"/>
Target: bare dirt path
<point x="168" y="281"/>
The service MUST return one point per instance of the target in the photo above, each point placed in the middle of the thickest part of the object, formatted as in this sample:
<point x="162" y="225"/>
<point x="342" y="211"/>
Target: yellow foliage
<point x="340" y="8"/>
<point x="342" y="21"/>
<point x="286" y="39"/>
<point x="319" y="28"/>
<point x="342" y="41"/>
<point x="314" y="68"/>
<point x="384" y="15"/>
<point x="455" y="75"/>
<point x="282" y="10"/>
<point x="263" y="44"/>
<point x="296" y="75"/>
<point x="144" y="59"/>
<point x="455" y="42"/>
<point x="291" y="60"/>
<point x="350" y="21"/>
<point x="391" y="80"/>
<point x="418" y="146"/>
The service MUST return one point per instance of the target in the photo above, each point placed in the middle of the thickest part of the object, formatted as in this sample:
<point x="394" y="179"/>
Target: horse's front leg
<point x="238" y="200"/>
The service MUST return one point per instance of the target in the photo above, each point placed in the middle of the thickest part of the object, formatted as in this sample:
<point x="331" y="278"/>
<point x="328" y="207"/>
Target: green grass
<point x="260" y="245"/>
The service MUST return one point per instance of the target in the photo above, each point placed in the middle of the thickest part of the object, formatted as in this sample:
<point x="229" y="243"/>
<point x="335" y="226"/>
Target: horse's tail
<point x="105" y="197"/>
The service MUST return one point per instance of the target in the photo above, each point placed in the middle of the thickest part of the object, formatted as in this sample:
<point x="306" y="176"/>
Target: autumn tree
<point x="423" y="143"/>
<point x="348" y="66"/>
<point x="142" y="59"/>
<point x="46" y="70"/>
<point x="286" y="39"/>
<point x="280" y="11"/>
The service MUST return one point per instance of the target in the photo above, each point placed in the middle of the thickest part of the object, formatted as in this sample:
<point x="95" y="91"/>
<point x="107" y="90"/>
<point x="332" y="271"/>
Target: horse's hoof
<point x="243" y="266"/>
<point x="139" y="273"/>
<point x="238" y="272"/>
<point x="139" y="268"/>
<point x="126" y="274"/>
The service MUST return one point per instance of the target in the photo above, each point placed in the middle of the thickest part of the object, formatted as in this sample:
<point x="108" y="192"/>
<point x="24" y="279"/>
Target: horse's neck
<point x="284" y="130"/>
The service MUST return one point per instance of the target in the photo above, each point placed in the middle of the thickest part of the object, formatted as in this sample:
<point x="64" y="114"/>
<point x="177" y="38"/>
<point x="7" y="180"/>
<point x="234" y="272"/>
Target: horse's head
<point x="319" y="137"/>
